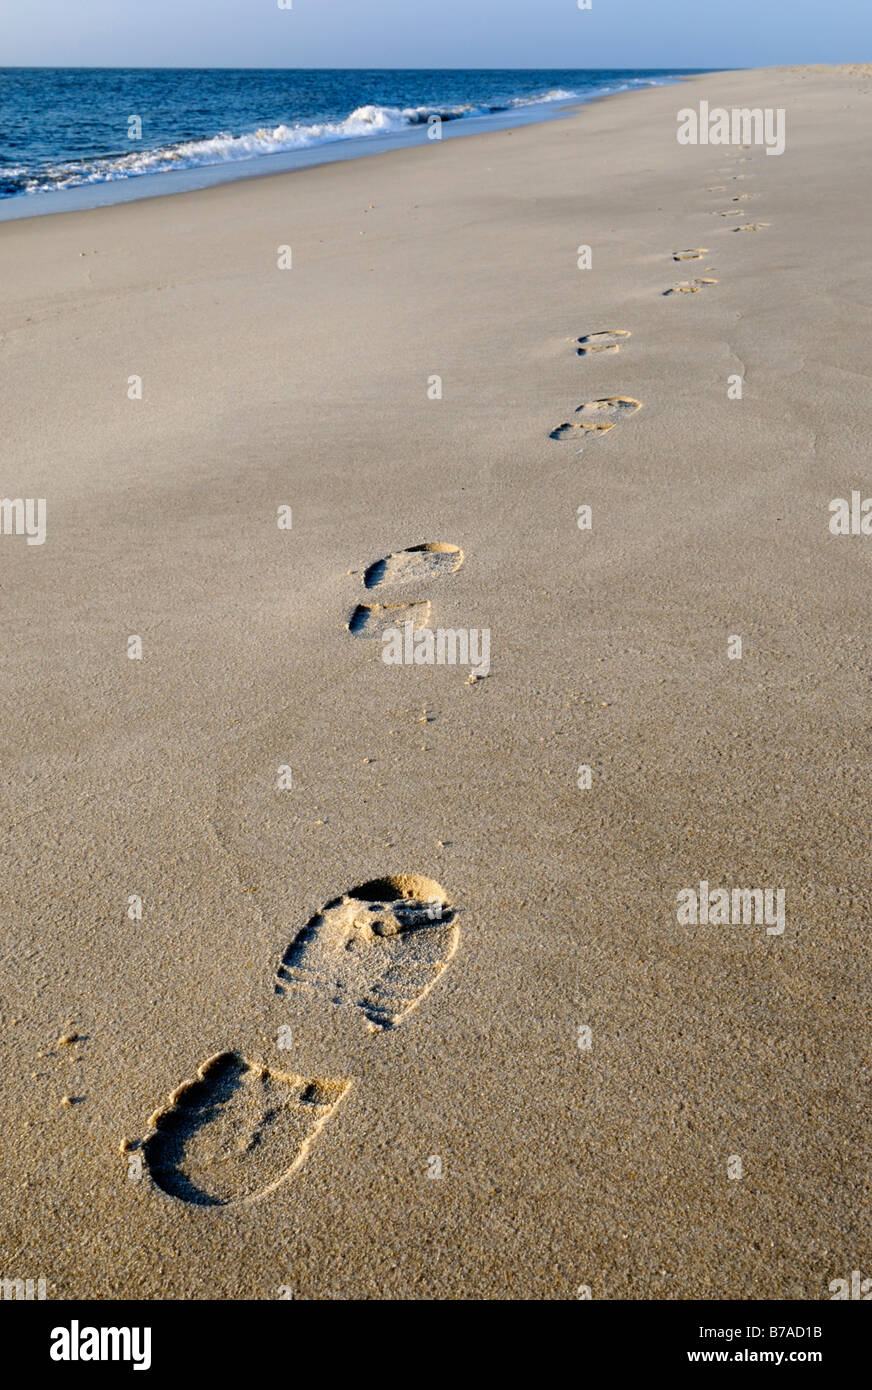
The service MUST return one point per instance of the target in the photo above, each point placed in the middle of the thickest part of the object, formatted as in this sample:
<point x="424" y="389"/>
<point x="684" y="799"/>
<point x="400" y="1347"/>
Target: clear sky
<point x="434" y="33"/>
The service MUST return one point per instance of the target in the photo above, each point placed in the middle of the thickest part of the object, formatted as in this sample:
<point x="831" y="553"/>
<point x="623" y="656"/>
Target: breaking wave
<point x="363" y="123"/>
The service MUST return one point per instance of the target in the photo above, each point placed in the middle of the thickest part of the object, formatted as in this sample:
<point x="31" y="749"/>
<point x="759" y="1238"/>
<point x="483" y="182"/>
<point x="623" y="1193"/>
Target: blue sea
<point x="65" y="129"/>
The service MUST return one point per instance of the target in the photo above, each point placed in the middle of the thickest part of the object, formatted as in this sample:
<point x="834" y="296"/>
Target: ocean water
<point x="66" y="128"/>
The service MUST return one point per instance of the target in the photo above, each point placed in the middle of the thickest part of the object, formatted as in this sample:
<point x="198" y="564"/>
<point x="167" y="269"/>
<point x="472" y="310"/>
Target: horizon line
<point x="322" y="67"/>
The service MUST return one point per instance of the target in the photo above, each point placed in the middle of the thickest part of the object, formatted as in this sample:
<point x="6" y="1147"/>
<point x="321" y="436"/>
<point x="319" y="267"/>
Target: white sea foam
<point x="365" y="122"/>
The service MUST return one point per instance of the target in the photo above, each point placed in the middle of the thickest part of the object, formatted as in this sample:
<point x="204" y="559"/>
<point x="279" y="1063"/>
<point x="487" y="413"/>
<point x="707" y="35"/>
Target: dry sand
<point x="561" y="1165"/>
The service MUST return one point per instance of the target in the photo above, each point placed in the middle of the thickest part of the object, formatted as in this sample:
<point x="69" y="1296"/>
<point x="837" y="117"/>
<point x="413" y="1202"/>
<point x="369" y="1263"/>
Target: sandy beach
<point x="453" y="1041"/>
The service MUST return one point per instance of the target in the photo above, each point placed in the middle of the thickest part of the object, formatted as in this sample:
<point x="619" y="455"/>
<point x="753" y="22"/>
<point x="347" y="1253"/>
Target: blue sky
<point x="434" y="33"/>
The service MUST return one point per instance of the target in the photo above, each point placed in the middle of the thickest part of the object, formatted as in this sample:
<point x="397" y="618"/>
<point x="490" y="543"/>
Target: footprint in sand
<point x="240" y="1128"/>
<point x="694" y="253"/>
<point x="372" y="619"/>
<point x="751" y="227"/>
<point x="606" y="341"/>
<point x="378" y="949"/>
<point x="431" y="560"/>
<point x="237" y="1131"/>
<point x="598" y="416"/>
<point x="691" y="286"/>
<point x="418" y="564"/>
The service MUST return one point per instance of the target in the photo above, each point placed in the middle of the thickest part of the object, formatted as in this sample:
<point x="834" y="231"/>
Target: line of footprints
<point x="239" y="1128"/>
<point x="596" y="417"/>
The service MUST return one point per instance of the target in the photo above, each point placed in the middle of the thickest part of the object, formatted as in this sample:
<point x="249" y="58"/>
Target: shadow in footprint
<point x="379" y="948"/>
<point x="431" y="560"/>
<point x="598" y="416"/>
<point x="609" y="340"/>
<point x="691" y="286"/>
<point x="373" y="619"/>
<point x="237" y="1131"/>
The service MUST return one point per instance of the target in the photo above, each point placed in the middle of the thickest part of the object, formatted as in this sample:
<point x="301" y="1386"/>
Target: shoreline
<point x="110" y="192"/>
